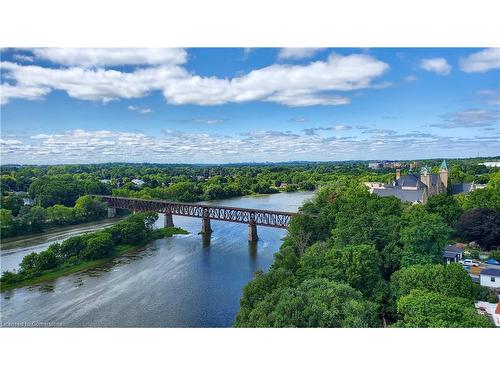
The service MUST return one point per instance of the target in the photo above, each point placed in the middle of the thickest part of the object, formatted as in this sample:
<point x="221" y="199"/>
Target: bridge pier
<point x="169" y="221"/>
<point x="111" y="212"/>
<point x="205" y="226"/>
<point x="252" y="232"/>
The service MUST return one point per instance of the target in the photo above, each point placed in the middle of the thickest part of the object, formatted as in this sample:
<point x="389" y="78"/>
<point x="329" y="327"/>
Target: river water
<point x="182" y="281"/>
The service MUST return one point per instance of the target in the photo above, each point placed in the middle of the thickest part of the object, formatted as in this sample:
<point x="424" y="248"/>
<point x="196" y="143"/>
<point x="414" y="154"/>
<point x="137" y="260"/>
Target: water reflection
<point x="182" y="281"/>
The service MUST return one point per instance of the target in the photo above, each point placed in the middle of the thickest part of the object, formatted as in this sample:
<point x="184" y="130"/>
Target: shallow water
<point x="182" y="281"/>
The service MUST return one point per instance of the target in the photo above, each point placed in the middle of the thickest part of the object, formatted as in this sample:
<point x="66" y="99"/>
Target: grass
<point x="65" y="269"/>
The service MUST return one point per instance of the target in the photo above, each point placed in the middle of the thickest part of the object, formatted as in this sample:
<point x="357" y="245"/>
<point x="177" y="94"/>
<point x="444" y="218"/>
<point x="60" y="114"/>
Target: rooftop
<point x="491" y="271"/>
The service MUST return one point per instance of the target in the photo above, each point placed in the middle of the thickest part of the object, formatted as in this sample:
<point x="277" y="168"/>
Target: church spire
<point x="443" y="167"/>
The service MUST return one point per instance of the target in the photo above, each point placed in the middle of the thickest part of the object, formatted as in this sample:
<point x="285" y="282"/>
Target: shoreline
<point x="84" y="266"/>
<point x="54" y="230"/>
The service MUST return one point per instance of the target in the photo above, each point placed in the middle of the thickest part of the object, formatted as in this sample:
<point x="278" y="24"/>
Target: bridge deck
<point x="270" y="218"/>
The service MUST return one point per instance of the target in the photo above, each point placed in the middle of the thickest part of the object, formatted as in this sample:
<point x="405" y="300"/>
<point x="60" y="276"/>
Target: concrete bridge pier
<point x="205" y="226"/>
<point x="252" y="232"/>
<point x="111" y="212"/>
<point x="169" y="221"/>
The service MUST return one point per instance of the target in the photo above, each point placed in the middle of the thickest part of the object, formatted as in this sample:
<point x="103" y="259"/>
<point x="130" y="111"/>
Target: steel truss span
<point x="268" y="218"/>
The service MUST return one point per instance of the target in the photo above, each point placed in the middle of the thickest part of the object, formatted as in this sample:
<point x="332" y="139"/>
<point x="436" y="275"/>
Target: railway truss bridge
<point x="206" y="212"/>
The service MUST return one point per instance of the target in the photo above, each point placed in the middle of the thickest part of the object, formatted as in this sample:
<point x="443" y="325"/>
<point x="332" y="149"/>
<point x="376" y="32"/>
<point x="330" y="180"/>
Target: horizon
<point x="496" y="157"/>
<point x="241" y="105"/>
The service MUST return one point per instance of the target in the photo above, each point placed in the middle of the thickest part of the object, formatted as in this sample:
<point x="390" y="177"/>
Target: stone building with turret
<point x="412" y="187"/>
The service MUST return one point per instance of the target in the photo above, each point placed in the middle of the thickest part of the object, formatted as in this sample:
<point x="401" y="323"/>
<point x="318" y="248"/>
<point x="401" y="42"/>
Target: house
<point x="414" y="188"/>
<point x="490" y="277"/>
<point x="137" y="182"/>
<point x="452" y="254"/>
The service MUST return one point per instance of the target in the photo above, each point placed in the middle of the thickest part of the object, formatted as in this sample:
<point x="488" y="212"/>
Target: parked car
<point x="469" y="262"/>
<point x="493" y="262"/>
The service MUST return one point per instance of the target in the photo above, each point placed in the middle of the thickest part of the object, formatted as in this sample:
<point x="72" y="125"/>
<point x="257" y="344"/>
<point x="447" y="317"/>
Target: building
<point x="452" y="254"/>
<point x="375" y="165"/>
<point x="414" y="188"/>
<point x="465" y="188"/>
<point x="491" y="164"/>
<point x="490" y="277"/>
<point x="137" y="182"/>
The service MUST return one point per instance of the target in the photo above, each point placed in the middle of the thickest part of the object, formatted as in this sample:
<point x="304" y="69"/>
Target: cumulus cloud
<point x="297" y="53"/>
<point x="112" y="56"/>
<point x="471" y="118"/>
<point x="481" y="61"/>
<point x="180" y="147"/>
<point x="437" y="65"/>
<point x="291" y="85"/>
<point x="21" y="92"/>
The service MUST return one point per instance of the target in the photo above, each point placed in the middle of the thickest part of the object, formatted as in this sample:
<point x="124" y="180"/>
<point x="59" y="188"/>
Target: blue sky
<point x="219" y="105"/>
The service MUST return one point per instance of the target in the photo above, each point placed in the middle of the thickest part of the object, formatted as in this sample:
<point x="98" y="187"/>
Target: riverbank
<point x="65" y="269"/>
<point x="56" y="229"/>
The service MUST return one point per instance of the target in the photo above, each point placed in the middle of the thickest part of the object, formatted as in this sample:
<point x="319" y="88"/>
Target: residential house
<point x="452" y="254"/>
<point x="490" y="277"/>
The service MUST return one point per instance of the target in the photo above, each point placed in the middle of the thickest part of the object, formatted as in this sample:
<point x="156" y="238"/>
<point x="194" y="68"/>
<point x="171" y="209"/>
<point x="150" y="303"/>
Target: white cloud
<point x="21" y="92"/>
<point x="471" y="118"/>
<point x="297" y="53"/>
<point x="292" y="85"/>
<point x="437" y="65"/>
<point x="112" y="56"/>
<point x="410" y="78"/>
<point x="174" y="146"/>
<point x="141" y="110"/>
<point x="481" y="61"/>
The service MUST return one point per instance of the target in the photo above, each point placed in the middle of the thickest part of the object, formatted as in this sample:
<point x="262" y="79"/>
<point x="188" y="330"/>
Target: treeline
<point x="75" y="251"/>
<point x="23" y="219"/>
<point x="54" y="190"/>
<point x="364" y="261"/>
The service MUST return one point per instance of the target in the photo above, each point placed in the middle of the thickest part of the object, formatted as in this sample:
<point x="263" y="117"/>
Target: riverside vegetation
<point x="87" y="251"/>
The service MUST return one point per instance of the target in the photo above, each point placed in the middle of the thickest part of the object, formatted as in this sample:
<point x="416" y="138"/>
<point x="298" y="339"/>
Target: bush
<point x="100" y="245"/>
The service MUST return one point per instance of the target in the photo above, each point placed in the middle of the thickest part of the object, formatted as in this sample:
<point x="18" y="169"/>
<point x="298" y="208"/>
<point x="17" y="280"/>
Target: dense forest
<point x="359" y="260"/>
<point x="35" y="198"/>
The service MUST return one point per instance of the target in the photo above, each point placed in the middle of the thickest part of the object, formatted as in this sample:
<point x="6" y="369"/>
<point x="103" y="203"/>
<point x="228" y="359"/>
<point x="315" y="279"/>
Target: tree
<point x="446" y="206"/>
<point x="356" y="265"/>
<point x="314" y="303"/>
<point x="35" y="219"/>
<point x="451" y="280"/>
<point x="12" y="202"/>
<point x="90" y="208"/>
<point x="55" y="189"/>
<point x="423" y="236"/>
<point x="431" y="309"/>
<point x="99" y="245"/>
<point x="72" y="246"/>
<point x="481" y="225"/>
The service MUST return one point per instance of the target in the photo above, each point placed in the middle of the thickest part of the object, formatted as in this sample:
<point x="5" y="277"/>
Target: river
<point x="182" y="281"/>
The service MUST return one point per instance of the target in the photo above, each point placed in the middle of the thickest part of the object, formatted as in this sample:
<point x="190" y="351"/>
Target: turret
<point x="443" y="174"/>
<point x="425" y="176"/>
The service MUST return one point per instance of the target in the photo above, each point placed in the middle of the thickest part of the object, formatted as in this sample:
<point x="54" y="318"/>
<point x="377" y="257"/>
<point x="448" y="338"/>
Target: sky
<point x="227" y="105"/>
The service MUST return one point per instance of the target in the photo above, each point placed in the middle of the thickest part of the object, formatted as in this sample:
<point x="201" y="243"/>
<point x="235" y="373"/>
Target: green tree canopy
<point x="431" y="309"/>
